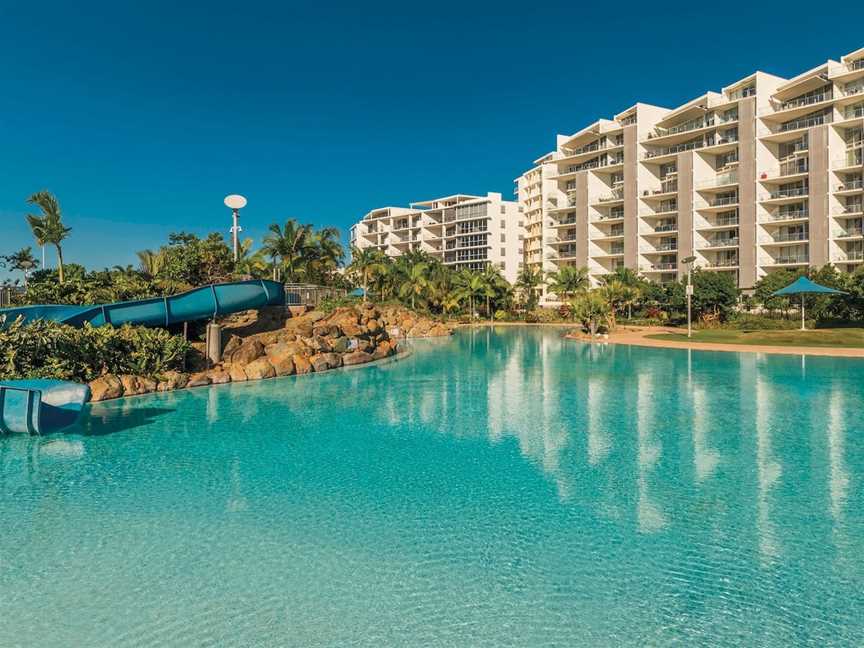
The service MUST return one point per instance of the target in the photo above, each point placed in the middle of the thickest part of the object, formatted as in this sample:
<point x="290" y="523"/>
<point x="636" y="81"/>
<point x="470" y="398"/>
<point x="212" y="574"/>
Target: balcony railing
<point x="851" y="185"/>
<point x="806" y="101"/>
<point x="808" y="122"/>
<point x="616" y="249"/>
<point x="851" y="231"/>
<point x="725" y="263"/>
<point x="616" y="231"/>
<point x="723" y="201"/>
<point x="792" y="258"/>
<point x="668" y="265"/>
<point x="728" y="220"/>
<point x="720" y="180"/>
<point x="854" y="255"/>
<point x="668" y="227"/>
<point x="742" y="93"/>
<point x="722" y="242"/>
<point x="667" y="247"/>
<point x="679" y="148"/>
<point x="789" y="192"/>
<point x="617" y="194"/>
<point x="693" y="124"/>
<point x="786" y="237"/>
<point x="853" y="112"/>
<point x="790" y="215"/>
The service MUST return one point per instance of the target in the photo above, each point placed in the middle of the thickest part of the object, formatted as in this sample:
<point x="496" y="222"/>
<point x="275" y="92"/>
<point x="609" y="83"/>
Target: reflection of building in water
<point x="598" y="398"/>
<point x="523" y="401"/>
<point x="768" y="469"/>
<point x="649" y="514"/>
<point x="705" y="459"/>
<point x="838" y="482"/>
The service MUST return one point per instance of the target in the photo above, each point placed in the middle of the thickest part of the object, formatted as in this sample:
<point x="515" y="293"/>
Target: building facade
<point x="765" y="174"/>
<point x="463" y="231"/>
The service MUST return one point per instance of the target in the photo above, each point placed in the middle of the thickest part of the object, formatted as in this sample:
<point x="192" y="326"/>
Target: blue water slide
<point x="40" y="406"/>
<point x="197" y="304"/>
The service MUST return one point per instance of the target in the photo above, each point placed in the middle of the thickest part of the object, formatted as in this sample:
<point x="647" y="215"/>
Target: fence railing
<point x="310" y="294"/>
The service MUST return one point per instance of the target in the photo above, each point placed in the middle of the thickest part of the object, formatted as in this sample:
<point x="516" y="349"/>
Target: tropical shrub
<point x="45" y="349"/>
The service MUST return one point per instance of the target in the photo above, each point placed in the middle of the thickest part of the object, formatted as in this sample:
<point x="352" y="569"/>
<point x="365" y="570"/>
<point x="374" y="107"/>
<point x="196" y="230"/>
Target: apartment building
<point x="463" y="231"/>
<point x="765" y="174"/>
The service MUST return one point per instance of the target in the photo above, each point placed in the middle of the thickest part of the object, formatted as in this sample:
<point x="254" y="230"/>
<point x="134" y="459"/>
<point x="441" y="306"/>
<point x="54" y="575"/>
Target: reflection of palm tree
<point x="48" y="228"/>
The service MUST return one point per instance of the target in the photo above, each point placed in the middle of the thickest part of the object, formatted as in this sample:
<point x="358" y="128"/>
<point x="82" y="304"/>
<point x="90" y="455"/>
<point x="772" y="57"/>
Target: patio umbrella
<point x="802" y="286"/>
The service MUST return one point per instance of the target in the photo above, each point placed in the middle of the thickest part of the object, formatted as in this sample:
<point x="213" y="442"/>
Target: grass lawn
<point x="852" y="338"/>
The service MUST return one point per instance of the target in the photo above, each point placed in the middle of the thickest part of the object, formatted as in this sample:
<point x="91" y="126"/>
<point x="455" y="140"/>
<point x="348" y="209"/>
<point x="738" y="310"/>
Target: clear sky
<point x="142" y="118"/>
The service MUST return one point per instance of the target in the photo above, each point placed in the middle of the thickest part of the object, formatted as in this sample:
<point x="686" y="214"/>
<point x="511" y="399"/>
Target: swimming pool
<point x="503" y="488"/>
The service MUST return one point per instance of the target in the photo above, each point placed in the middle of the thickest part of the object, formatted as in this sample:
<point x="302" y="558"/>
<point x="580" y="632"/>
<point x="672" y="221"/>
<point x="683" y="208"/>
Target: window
<point x="503" y="237"/>
<point x="521" y="237"/>
<point x="502" y="265"/>
<point x="503" y="209"/>
<point x="521" y="223"/>
<point x="503" y="224"/>
<point x="471" y="211"/>
<point x="503" y="252"/>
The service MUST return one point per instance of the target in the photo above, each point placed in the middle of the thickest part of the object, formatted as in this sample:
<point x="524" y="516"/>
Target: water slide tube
<point x="40" y="406"/>
<point x="196" y="304"/>
<point x="44" y="406"/>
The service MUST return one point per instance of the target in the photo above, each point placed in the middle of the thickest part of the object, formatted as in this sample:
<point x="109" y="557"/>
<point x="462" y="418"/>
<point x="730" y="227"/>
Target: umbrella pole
<point x="802" y="311"/>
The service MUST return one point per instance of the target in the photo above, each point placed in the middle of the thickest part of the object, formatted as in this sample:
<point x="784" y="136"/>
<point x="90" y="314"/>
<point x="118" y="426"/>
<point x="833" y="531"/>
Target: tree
<point x="630" y="294"/>
<point x="292" y="246"/>
<point x="472" y="286"/>
<point x="527" y="282"/>
<point x="48" y="228"/>
<point x="568" y="281"/>
<point x="324" y="254"/>
<point x="715" y="294"/>
<point x="415" y="284"/>
<point x="22" y="260"/>
<point x="772" y="282"/>
<point x="365" y="265"/>
<point x="592" y="309"/>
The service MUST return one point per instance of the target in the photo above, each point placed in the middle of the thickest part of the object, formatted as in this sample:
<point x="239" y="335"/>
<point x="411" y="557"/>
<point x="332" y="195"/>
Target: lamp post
<point x="689" y="262"/>
<point x="235" y="203"/>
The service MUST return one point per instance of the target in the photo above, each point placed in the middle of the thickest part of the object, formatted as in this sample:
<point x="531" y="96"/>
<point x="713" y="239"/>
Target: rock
<point x="199" y="379"/>
<point x="373" y="326"/>
<point x="260" y="369"/>
<point x="281" y="356"/>
<point x="233" y="344"/>
<point x="172" y="380"/>
<point x="339" y="344"/>
<point x="325" y="361"/>
<point x="355" y="358"/>
<point x="382" y="351"/>
<point x="219" y="376"/>
<point x="132" y="385"/>
<point x="315" y="316"/>
<point x="237" y="373"/>
<point x="250" y="350"/>
<point x="106" y="388"/>
<point x="351" y="329"/>
<point x="302" y="365"/>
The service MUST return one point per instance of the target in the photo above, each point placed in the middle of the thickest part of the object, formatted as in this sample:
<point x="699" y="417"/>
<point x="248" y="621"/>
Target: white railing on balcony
<point x="851" y="185"/>
<point x="668" y="150"/>
<point x="617" y="194"/>
<point x="668" y="227"/>
<point x="721" y="242"/>
<point x="792" y="258"/>
<point x="853" y="112"/>
<point x="807" y="122"/>
<point x="807" y="100"/>
<point x="720" y="180"/>
<point x="725" y="263"/>
<point x="851" y="159"/>
<point x="791" y="214"/>
<point x="788" y="237"/>
<point x="789" y="192"/>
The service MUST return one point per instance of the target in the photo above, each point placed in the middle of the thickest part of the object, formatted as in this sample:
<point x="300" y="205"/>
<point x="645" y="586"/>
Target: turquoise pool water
<point x="504" y="488"/>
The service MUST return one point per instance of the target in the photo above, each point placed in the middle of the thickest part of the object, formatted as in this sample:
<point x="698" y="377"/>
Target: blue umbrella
<point x="802" y="286"/>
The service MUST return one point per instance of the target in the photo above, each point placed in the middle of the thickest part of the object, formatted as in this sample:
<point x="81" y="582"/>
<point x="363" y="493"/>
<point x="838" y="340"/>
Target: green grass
<point x="850" y="338"/>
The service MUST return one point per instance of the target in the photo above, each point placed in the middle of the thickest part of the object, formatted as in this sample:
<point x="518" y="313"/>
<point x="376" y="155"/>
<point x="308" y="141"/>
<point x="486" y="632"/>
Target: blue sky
<point x="142" y="118"/>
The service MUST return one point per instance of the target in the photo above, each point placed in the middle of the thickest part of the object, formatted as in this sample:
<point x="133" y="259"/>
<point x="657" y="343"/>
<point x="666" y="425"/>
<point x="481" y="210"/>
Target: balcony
<point x="792" y="214"/>
<point x="668" y="265"/>
<point x="788" y="192"/>
<point x="808" y="100"/>
<point x="720" y="180"/>
<point x="731" y="241"/>
<point x="724" y="263"/>
<point x="854" y="112"/>
<point x="851" y="185"/>
<point x="672" y="150"/>
<point x="791" y="259"/>
<point x="666" y="247"/>
<point x="668" y="227"/>
<point x="725" y="221"/>
<point x="617" y="194"/>
<point x="787" y="237"/>
<point x="854" y="255"/>
<point x="851" y="232"/>
<point x="806" y="122"/>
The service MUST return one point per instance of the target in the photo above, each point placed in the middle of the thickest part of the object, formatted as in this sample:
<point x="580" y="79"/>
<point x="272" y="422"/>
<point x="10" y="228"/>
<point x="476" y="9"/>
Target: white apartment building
<point x="765" y="174"/>
<point x="463" y="231"/>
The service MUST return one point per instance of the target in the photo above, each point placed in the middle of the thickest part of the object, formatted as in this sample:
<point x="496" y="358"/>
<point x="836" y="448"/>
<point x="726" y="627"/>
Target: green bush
<point x="753" y="322"/>
<point x="50" y="350"/>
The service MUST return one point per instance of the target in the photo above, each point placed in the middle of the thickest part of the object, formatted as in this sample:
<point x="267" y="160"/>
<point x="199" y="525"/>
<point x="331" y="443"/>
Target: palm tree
<point x="527" y="282"/>
<point x="626" y="276"/>
<point x="498" y="287"/>
<point x="48" y="228"/>
<point x="291" y="245"/>
<point x="416" y="283"/>
<point x="365" y="265"/>
<point x="22" y="260"/>
<point x="614" y="293"/>
<point x="251" y="263"/>
<point x="592" y="308"/>
<point x="629" y="296"/>
<point x="472" y="286"/>
<point x="325" y="253"/>
<point x="568" y="281"/>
